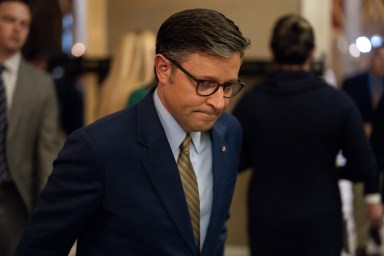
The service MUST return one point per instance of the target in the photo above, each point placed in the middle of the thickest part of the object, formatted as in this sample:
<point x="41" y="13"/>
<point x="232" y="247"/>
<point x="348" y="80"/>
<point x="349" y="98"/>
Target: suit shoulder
<point x="357" y="76"/>
<point x="34" y="73"/>
<point x="355" y="80"/>
<point x="227" y="117"/>
<point x="120" y="120"/>
<point x="229" y="121"/>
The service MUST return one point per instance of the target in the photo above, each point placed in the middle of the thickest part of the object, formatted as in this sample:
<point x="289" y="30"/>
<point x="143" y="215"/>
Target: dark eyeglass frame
<point x="239" y="83"/>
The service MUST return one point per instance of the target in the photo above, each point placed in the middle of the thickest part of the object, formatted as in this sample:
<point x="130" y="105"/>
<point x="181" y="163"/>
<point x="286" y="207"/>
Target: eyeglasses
<point x="209" y="87"/>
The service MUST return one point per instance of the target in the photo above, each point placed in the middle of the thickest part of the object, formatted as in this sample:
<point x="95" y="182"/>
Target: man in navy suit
<point x="366" y="89"/>
<point x="115" y="185"/>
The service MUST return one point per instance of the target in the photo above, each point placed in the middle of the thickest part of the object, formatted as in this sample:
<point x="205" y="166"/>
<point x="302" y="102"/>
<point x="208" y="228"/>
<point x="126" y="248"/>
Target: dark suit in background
<point x="377" y="137"/>
<point x="360" y="88"/>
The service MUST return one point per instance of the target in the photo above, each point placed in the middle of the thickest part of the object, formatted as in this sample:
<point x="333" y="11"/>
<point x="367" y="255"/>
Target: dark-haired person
<point x="29" y="120"/>
<point x="116" y="185"/>
<point x="294" y="125"/>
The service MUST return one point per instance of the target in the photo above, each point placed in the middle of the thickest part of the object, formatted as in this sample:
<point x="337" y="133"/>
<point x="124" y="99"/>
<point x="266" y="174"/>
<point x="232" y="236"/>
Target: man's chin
<point x="203" y="126"/>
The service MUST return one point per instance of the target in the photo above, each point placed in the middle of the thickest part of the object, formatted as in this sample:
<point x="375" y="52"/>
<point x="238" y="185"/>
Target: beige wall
<point x="319" y="15"/>
<point x="254" y="17"/>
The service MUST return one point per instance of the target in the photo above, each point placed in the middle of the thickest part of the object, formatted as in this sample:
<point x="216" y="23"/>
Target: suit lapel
<point x="162" y="169"/>
<point x="219" y="146"/>
<point x="21" y="97"/>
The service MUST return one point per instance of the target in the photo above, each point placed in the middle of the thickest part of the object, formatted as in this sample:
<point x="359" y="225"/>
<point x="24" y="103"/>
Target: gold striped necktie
<point x="190" y="186"/>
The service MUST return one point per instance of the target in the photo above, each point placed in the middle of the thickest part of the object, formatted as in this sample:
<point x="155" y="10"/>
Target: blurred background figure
<point x="139" y="93"/>
<point x="131" y="69"/>
<point x="29" y="132"/>
<point x="366" y="90"/>
<point x="47" y="48"/>
<point x="294" y="126"/>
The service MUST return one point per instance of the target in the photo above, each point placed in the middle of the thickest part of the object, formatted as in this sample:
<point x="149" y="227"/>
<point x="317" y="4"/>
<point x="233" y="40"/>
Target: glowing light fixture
<point x="377" y="40"/>
<point x="354" y="51"/>
<point x="78" y="49"/>
<point x="363" y="44"/>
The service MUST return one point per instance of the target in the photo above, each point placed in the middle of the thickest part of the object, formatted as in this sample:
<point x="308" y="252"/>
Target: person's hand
<point x="375" y="216"/>
<point x="368" y="129"/>
<point x="375" y="213"/>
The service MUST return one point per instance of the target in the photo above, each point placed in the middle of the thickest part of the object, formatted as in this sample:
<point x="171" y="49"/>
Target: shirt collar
<point x="175" y="134"/>
<point x="12" y="64"/>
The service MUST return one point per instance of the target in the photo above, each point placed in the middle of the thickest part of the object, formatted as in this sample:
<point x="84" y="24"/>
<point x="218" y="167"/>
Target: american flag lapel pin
<point x="223" y="148"/>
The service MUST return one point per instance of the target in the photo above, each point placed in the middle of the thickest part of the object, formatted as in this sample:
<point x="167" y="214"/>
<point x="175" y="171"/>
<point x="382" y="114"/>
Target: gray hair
<point x="199" y="30"/>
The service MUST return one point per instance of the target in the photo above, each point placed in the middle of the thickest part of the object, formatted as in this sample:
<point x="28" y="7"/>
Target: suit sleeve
<point x="357" y="150"/>
<point x="240" y="112"/>
<point x="71" y="198"/>
<point x="48" y="138"/>
<point x="377" y="137"/>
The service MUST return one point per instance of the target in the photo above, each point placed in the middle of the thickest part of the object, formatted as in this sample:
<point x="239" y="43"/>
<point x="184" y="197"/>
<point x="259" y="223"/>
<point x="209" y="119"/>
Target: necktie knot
<point x="186" y="144"/>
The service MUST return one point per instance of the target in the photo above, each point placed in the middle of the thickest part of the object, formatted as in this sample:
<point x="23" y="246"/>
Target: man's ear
<point x="163" y="68"/>
<point x="312" y="53"/>
<point x="310" y="59"/>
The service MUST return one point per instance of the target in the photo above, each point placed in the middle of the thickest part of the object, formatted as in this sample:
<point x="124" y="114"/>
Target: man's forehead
<point x="15" y="9"/>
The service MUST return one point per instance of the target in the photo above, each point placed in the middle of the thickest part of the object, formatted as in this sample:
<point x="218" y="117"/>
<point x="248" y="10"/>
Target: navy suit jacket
<point x="116" y="188"/>
<point x="358" y="88"/>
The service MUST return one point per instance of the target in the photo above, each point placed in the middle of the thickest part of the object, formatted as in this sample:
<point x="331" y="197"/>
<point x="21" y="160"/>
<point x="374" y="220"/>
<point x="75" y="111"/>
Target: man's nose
<point x="217" y="99"/>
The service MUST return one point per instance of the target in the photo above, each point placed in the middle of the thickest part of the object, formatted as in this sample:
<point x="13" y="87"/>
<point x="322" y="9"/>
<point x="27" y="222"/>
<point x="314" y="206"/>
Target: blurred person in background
<point x="131" y="69"/>
<point x="366" y="89"/>
<point x="29" y="126"/>
<point x="294" y="126"/>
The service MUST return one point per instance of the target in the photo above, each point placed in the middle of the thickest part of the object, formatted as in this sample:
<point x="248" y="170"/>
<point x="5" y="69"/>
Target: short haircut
<point x="292" y="40"/>
<point x="21" y="1"/>
<point x="199" y="30"/>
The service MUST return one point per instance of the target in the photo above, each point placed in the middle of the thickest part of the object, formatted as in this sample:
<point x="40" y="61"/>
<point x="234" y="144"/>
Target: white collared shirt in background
<point x="10" y="77"/>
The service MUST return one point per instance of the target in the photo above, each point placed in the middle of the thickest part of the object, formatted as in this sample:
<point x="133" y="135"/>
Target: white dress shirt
<point x="9" y="76"/>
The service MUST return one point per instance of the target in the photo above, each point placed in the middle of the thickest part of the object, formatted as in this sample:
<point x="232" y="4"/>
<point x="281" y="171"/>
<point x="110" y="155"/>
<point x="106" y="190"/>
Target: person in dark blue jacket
<point x="294" y="126"/>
